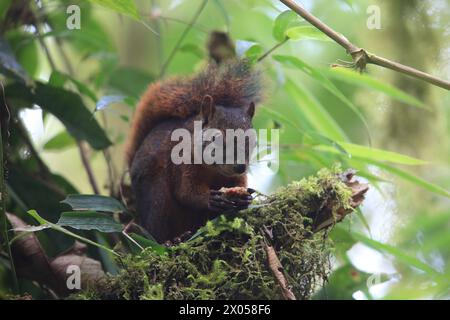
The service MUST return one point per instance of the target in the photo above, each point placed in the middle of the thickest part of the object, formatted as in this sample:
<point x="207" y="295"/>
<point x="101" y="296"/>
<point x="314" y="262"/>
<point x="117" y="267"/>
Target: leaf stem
<point x="74" y="235"/>
<point x="275" y="47"/>
<point x="132" y="240"/>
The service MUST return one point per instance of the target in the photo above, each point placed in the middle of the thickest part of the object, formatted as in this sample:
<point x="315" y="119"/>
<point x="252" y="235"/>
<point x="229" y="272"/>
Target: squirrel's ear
<point x="207" y="108"/>
<point x="251" y="109"/>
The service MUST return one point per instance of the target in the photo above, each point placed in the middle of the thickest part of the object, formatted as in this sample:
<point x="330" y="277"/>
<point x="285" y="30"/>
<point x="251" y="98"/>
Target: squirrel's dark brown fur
<point x="172" y="199"/>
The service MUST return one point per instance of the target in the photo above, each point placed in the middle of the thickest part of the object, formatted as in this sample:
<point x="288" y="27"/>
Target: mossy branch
<point x="274" y="250"/>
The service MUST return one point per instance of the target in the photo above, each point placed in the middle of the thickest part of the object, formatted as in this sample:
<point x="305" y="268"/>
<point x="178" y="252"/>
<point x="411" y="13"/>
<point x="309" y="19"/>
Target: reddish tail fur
<point x="235" y="84"/>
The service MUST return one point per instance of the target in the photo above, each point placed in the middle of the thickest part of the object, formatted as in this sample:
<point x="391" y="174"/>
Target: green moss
<point x="226" y="258"/>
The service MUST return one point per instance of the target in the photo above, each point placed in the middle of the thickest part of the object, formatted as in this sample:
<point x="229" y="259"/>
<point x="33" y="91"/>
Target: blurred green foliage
<point x="87" y="82"/>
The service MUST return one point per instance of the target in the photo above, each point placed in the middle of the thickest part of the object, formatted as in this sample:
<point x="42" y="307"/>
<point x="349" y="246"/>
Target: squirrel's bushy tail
<point x="234" y="84"/>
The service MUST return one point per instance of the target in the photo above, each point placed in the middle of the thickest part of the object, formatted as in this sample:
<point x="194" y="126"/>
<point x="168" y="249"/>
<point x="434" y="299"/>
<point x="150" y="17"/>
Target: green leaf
<point x="342" y="238"/>
<point x="9" y="64"/>
<point x="343" y="283"/>
<point x="126" y="7"/>
<point x="363" y="219"/>
<point x="92" y="38"/>
<point x="414" y="179"/>
<point x="58" y="79"/>
<point x="373" y="154"/>
<point x="242" y="46"/>
<point x="254" y="52"/>
<point x="314" y="112"/>
<point x="59" y="142"/>
<point x="26" y="51"/>
<point x="324" y="81"/>
<point x="32" y="188"/>
<point x="130" y="82"/>
<point x="366" y="81"/>
<point x="85" y="40"/>
<point x="37" y="217"/>
<point x="4" y="6"/>
<point x="349" y="3"/>
<point x="59" y="228"/>
<point x="94" y="203"/>
<point x="428" y="223"/>
<point x="90" y="220"/>
<point x="148" y="243"/>
<point x="396" y="252"/>
<point x="192" y="48"/>
<point x="314" y="136"/>
<point x="306" y="33"/>
<point x="65" y="105"/>
<point x="282" y="22"/>
<point x="124" y="118"/>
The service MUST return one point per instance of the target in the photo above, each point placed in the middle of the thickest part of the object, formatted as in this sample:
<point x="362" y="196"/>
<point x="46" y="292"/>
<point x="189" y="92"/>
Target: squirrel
<point x="172" y="199"/>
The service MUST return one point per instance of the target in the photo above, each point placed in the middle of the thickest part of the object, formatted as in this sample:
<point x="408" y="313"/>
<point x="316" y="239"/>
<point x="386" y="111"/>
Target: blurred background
<point x="393" y="129"/>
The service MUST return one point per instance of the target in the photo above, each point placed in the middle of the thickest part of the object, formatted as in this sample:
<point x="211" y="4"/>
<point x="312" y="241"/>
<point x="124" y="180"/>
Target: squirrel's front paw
<point x="230" y="199"/>
<point x="218" y="203"/>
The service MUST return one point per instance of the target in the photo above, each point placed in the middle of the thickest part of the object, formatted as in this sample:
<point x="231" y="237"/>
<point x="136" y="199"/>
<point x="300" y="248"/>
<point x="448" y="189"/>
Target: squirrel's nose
<point x="240" y="168"/>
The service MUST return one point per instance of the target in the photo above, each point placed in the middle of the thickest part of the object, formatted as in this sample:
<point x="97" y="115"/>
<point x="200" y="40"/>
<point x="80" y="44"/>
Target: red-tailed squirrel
<point x="172" y="199"/>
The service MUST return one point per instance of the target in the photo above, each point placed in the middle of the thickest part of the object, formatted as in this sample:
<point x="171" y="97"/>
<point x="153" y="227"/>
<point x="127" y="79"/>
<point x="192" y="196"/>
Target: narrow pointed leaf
<point x="94" y="203"/>
<point x="89" y="220"/>
<point x="366" y="81"/>
<point x="314" y="112"/>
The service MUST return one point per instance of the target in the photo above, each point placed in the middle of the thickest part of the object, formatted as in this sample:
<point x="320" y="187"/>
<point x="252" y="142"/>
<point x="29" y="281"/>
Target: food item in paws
<point x="235" y="192"/>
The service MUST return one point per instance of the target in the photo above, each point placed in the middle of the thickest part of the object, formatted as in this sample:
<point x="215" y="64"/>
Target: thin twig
<point x="111" y="172"/>
<point x="157" y="17"/>
<point x="81" y="149"/>
<point x="183" y="36"/>
<point x="64" y="56"/>
<point x="109" y="162"/>
<point x="38" y="20"/>
<point x="157" y="26"/>
<point x="268" y="52"/>
<point x="195" y="25"/>
<point x="45" y="48"/>
<point x="360" y="56"/>
<point x="87" y="167"/>
<point x="121" y="191"/>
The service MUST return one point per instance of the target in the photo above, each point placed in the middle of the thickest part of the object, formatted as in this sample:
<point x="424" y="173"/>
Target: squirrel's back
<point x="234" y="84"/>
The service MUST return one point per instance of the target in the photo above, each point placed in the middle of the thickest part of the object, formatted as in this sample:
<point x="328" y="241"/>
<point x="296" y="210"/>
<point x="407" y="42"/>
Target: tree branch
<point x="360" y="56"/>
